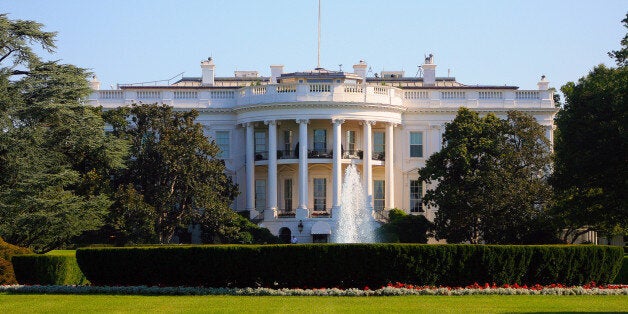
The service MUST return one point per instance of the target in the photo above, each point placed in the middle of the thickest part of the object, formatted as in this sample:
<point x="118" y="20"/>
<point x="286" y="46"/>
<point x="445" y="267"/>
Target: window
<point x="379" y="195"/>
<point x="287" y="143"/>
<point x="320" y="140"/>
<point x="261" y="152"/>
<point x="320" y="194"/>
<point x="287" y="195"/>
<point x="260" y="195"/>
<point x="379" y="144"/>
<point x="351" y="142"/>
<point x="416" y="144"/>
<point x="222" y="140"/>
<point x="416" y="196"/>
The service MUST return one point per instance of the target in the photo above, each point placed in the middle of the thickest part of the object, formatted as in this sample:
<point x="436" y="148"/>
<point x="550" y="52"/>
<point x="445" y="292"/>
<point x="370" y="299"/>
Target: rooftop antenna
<point x="419" y="71"/>
<point x="318" y="56"/>
<point x="340" y="66"/>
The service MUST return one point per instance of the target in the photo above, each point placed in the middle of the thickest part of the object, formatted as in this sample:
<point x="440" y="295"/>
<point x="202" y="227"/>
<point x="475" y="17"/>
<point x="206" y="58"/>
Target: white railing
<point x="453" y="95"/>
<point x="417" y="94"/>
<point x="185" y="95"/>
<point x="308" y="92"/>
<point x="148" y="95"/>
<point x="353" y="88"/>
<point x="526" y="94"/>
<point x="110" y="94"/>
<point x="380" y="90"/>
<point x="490" y="95"/>
<point x="223" y="94"/>
<point x="286" y="88"/>
<point x="320" y="88"/>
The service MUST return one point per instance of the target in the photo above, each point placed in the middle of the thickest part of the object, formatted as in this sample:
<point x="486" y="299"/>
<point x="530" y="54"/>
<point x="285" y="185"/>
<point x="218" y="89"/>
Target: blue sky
<point x="480" y="42"/>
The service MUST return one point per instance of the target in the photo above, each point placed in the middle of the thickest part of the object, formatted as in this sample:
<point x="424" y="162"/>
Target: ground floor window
<point x="260" y="195"/>
<point x="320" y="194"/>
<point x="378" y="195"/>
<point x="416" y="196"/>
<point x="320" y="238"/>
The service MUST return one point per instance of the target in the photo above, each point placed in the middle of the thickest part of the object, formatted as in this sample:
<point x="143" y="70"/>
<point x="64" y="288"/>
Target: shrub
<point x="622" y="276"/>
<point x="348" y="265"/>
<point x="7" y="276"/>
<point x="54" y="268"/>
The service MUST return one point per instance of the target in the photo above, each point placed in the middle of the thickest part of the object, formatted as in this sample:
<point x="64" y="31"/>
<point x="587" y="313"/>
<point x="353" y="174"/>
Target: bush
<point x="404" y="228"/>
<point x="54" y="268"/>
<point x="622" y="276"/>
<point x="7" y="276"/>
<point x="348" y="265"/>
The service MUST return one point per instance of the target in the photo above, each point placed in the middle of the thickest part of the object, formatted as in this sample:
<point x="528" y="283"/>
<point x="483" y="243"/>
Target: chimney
<point x="275" y="72"/>
<point x="94" y="83"/>
<point x="429" y="71"/>
<point x="207" y="67"/>
<point x="543" y="84"/>
<point x="360" y="69"/>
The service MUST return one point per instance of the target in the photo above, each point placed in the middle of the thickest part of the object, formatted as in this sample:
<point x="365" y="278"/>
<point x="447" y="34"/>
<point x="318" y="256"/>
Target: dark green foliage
<point x="621" y="56"/>
<point x="48" y="269"/>
<point x="404" y="228"/>
<point x="622" y="276"/>
<point x="173" y="177"/>
<point x="246" y="233"/>
<point x="7" y="276"/>
<point x="489" y="182"/>
<point x="348" y="265"/>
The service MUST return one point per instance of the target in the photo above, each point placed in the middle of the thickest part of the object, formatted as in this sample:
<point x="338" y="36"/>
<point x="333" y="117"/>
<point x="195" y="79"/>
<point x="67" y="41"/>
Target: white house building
<point x="287" y="139"/>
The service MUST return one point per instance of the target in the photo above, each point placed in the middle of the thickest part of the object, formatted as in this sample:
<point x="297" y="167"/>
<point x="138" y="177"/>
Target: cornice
<point x="319" y="104"/>
<point x="488" y="109"/>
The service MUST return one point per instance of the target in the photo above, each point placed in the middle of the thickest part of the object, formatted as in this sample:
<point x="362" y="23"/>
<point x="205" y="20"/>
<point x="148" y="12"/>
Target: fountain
<point x="355" y="223"/>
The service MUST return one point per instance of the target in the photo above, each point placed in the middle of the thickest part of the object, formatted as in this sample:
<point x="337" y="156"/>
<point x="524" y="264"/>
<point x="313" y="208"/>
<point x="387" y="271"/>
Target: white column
<point x="302" y="163"/>
<point x="367" y="164"/>
<point x="390" y="171"/>
<point x="272" y="170"/>
<point x="337" y="166"/>
<point x="250" y="169"/>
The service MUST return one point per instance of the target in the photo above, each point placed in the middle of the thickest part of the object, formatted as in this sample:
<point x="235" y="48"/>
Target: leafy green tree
<point x="55" y="158"/>
<point x="592" y="154"/>
<point x="175" y="169"/>
<point x="621" y="55"/>
<point x="405" y="228"/>
<point x="490" y="179"/>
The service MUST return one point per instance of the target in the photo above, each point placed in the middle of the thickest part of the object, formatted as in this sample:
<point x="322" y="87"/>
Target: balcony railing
<point x="336" y="92"/>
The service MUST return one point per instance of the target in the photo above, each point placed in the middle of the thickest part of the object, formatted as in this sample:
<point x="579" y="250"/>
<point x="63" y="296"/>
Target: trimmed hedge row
<point x="622" y="276"/>
<point x="348" y="265"/>
<point x="55" y="268"/>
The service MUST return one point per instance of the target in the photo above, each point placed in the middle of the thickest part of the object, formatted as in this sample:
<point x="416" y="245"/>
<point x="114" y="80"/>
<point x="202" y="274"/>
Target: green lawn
<point x="10" y="303"/>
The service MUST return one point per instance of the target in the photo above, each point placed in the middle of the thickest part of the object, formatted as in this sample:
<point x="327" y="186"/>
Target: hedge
<point x="54" y="268"/>
<point x="7" y="275"/>
<point x="622" y="276"/>
<point x="348" y="265"/>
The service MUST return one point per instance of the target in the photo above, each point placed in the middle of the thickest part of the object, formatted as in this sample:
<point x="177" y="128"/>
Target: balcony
<point x="243" y="97"/>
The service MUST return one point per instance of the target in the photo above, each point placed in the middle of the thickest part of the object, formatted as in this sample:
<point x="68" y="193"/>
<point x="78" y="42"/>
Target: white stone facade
<point x="280" y="135"/>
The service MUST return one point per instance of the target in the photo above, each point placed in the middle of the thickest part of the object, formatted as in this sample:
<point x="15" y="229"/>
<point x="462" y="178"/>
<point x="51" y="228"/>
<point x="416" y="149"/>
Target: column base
<point x="302" y="213"/>
<point x="335" y="212"/>
<point x="270" y="214"/>
<point x="253" y="213"/>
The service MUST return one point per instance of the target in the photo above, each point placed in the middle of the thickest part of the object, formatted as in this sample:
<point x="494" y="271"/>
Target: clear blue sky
<point x="482" y="42"/>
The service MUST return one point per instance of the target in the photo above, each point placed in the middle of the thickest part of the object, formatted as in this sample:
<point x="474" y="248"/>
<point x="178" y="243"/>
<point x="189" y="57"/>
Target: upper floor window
<point x="379" y="143"/>
<point x="320" y="140"/>
<point x="416" y="144"/>
<point x="350" y="142"/>
<point x="222" y="140"/>
<point x="261" y="150"/>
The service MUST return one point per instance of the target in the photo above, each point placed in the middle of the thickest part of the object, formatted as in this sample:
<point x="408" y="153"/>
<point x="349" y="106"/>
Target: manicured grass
<point x="10" y="303"/>
<point x="62" y="252"/>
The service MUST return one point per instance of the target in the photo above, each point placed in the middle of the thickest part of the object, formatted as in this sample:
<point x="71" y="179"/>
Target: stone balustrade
<point x="325" y="92"/>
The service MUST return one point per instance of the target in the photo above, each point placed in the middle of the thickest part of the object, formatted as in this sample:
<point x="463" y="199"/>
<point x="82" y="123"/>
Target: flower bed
<point x="389" y="290"/>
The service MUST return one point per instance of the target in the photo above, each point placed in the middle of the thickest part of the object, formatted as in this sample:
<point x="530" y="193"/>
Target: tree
<point x="621" y="56"/>
<point x="405" y="228"/>
<point x="174" y="167"/>
<point x="490" y="178"/>
<point x="55" y="158"/>
<point x="592" y="154"/>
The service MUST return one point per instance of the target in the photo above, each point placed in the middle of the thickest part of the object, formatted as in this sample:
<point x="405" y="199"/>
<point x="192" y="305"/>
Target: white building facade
<point x="287" y="139"/>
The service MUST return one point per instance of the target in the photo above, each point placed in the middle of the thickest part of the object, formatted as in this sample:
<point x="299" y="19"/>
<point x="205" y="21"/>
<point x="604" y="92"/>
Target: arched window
<point x="284" y="235"/>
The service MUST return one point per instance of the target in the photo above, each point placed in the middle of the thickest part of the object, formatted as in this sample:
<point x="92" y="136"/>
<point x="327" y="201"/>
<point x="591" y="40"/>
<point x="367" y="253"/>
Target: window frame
<point x="418" y="146"/>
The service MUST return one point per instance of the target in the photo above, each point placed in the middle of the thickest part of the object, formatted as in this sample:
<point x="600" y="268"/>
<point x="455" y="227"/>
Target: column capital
<point x="270" y="122"/>
<point x="371" y="122"/>
<point x="301" y="121"/>
<point x="393" y="124"/>
<point x="248" y="124"/>
<point x="338" y="121"/>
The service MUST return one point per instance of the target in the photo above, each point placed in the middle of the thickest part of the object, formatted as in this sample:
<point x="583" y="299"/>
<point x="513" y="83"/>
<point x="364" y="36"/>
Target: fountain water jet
<point x="355" y="223"/>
